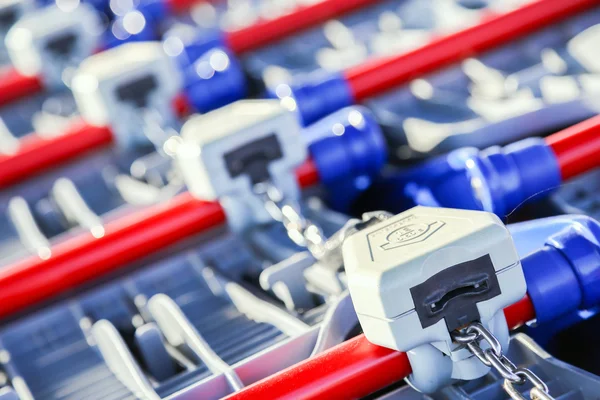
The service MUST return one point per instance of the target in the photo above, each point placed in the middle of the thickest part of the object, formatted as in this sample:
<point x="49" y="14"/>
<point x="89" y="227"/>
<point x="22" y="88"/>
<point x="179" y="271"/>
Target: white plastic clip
<point x="423" y="274"/>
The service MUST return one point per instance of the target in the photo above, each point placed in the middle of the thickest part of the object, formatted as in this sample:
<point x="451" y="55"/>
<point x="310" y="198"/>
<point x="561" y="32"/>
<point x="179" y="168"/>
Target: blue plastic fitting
<point x="315" y="95"/>
<point x="200" y="43"/>
<point x="564" y="275"/>
<point x="497" y="179"/>
<point x="153" y="10"/>
<point x="214" y="80"/>
<point x="118" y="34"/>
<point x="100" y="5"/>
<point x="348" y="143"/>
<point x="518" y="172"/>
<point x="553" y="294"/>
<point x="348" y="149"/>
<point x="581" y="246"/>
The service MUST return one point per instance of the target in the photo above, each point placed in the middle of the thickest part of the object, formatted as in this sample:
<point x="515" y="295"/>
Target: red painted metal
<point x="380" y="75"/>
<point x="577" y="148"/>
<point x="14" y="86"/>
<point x="350" y="370"/>
<point x="36" y="153"/>
<point x="85" y="257"/>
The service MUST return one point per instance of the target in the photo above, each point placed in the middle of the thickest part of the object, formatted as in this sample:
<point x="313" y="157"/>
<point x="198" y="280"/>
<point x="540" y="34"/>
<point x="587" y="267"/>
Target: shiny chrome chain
<point x="473" y="335"/>
<point x="301" y="230"/>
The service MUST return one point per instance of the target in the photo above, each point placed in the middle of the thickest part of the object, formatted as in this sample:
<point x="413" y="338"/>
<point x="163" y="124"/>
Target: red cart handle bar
<point x="379" y="75"/>
<point x="353" y="369"/>
<point x="82" y="258"/>
<point x="15" y="86"/>
<point x="37" y="154"/>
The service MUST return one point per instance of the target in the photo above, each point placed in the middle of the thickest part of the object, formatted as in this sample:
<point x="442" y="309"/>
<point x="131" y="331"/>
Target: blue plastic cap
<point x="315" y="95"/>
<point x="497" y="179"/>
<point x="579" y="244"/>
<point x="191" y="43"/>
<point x="100" y="5"/>
<point x="443" y="180"/>
<point x="517" y="173"/>
<point x="564" y="275"/>
<point x="119" y="31"/>
<point x="214" y="80"/>
<point x="154" y="10"/>
<point x="348" y="144"/>
<point x="551" y="284"/>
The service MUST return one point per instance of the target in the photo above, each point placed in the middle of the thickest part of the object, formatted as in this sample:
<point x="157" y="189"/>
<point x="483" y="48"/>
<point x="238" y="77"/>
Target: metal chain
<point x="301" y="230"/>
<point x="306" y="233"/>
<point x="156" y="130"/>
<point x="473" y="335"/>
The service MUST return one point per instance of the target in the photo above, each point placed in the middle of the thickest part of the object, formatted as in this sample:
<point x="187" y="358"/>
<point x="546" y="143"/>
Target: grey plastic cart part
<point x="10" y="12"/>
<point x="580" y="195"/>
<point x="255" y="308"/>
<point x="259" y="366"/>
<point x="272" y="242"/>
<point x="22" y="390"/>
<point x="153" y="168"/>
<point x="72" y="364"/>
<point x="286" y="280"/>
<point x="9" y="144"/>
<point x="74" y="207"/>
<point x="565" y="381"/>
<point x="326" y="280"/>
<point x="410" y="274"/>
<point x="52" y="354"/>
<point x="206" y="159"/>
<point x="337" y="324"/>
<point x="48" y="42"/>
<point x="152" y="348"/>
<point x="179" y="331"/>
<point x="142" y="70"/>
<point x="120" y="361"/>
<point x="536" y="86"/>
<point x="136" y="192"/>
<point x="28" y="230"/>
<point x="7" y="393"/>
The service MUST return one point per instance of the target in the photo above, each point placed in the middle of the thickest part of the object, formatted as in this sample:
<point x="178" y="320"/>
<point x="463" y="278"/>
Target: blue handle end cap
<point x="214" y="80"/>
<point x="348" y="144"/>
<point x="314" y="96"/>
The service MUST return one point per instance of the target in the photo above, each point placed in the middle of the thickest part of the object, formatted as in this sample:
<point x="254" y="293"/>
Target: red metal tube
<point x="520" y="313"/>
<point x="577" y="148"/>
<point x="269" y="31"/>
<point x="181" y="105"/>
<point x="85" y="257"/>
<point x="365" y="80"/>
<point x="307" y="174"/>
<point x="181" y="6"/>
<point x="36" y="154"/>
<point x="350" y="370"/>
<point x="380" y="75"/>
<point x="14" y="86"/>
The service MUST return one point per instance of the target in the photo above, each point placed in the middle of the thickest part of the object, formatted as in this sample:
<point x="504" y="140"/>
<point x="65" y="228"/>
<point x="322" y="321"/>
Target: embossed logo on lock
<point x="410" y="234"/>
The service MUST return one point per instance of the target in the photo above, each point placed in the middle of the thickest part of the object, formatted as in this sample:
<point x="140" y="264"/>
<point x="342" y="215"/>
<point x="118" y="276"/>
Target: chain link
<point x="306" y="233"/>
<point x="473" y="335"/>
<point x="301" y="230"/>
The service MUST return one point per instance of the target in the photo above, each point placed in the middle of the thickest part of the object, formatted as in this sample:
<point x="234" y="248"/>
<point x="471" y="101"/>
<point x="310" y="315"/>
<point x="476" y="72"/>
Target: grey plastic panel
<point x="580" y="195"/>
<point x="564" y="381"/>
